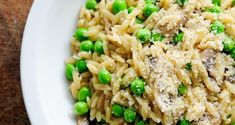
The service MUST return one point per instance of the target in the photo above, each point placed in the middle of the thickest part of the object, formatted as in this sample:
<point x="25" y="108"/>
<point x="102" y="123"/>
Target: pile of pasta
<point x="198" y="62"/>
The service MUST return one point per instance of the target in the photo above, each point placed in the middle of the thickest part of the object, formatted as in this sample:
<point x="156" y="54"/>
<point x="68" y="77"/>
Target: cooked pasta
<point x="154" y="62"/>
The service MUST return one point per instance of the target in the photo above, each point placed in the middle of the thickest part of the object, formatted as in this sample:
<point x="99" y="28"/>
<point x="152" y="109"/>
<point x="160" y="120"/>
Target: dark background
<point x="13" y="15"/>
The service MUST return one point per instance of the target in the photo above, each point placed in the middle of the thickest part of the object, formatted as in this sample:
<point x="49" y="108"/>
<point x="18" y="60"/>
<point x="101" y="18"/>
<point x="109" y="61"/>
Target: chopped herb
<point x="217" y="27"/>
<point x="183" y="122"/>
<point x="229" y="116"/>
<point x="157" y="37"/>
<point x="188" y="66"/>
<point x="139" y="20"/>
<point x="181" y="2"/>
<point x="214" y="9"/>
<point x="141" y="122"/>
<point x="150" y="1"/>
<point x="178" y="38"/>
<point x="130" y="9"/>
<point x="228" y="44"/>
<point x="216" y="2"/>
<point x="102" y="121"/>
<point x="182" y="89"/>
<point x="232" y="53"/>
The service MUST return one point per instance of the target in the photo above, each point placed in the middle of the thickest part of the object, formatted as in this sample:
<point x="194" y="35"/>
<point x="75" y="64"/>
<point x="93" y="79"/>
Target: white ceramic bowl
<point x="49" y="27"/>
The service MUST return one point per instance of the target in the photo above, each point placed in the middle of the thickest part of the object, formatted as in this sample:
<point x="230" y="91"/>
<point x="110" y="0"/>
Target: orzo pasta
<point x="154" y="62"/>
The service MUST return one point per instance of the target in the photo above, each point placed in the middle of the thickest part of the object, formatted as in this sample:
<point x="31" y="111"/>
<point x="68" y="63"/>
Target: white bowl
<point x="49" y="28"/>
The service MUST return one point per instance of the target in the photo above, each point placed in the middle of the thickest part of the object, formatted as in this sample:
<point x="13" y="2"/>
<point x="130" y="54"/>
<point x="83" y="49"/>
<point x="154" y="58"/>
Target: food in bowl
<point x="154" y="62"/>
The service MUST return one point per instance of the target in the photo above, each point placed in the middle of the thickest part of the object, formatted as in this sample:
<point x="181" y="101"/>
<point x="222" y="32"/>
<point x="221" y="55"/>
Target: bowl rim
<point x="31" y="97"/>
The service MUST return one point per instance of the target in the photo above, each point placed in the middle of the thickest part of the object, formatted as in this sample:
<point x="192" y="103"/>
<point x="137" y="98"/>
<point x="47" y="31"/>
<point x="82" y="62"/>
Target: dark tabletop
<point x="13" y="15"/>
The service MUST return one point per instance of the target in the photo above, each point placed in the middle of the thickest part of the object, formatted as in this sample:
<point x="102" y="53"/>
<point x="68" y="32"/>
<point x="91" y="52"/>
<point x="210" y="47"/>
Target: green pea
<point x="80" y="34"/>
<point x="130" y="9"/>
<point x="216" y="2"/>
<point x="182" y="89"/>
<point x="69" y="71"/>
<point x="98" y="47"/>
<point x="119" y="5"/>
<point x="86" y="45"/>
<point x="91" y="4"/>
<point x="81" y="108"/>
<point x="83" y="93"/>
<point x="215" y="9"/>
<point x="217" y="27"/>
<point x="150" y="1"/>
<point x="183" y="122"/>
<point x="181" y="2"/>
<point x="104" y="76"/>
<point x="150" y="8"/>
<point x="157" y="37"/>
<point x="233" y="5"/>
<point x="144" y="35"/>
<point x="141" y="123"/>
<point x="117" y="110"/>
<point x="81" y="65"/>
<point x="233" y="53"/>
<point x="129" y="115"/>
<point x="178" y="37"/>
<point x="137" y="87"/>
<point x="228" y="44"/>
<point x="138" y="20"/>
